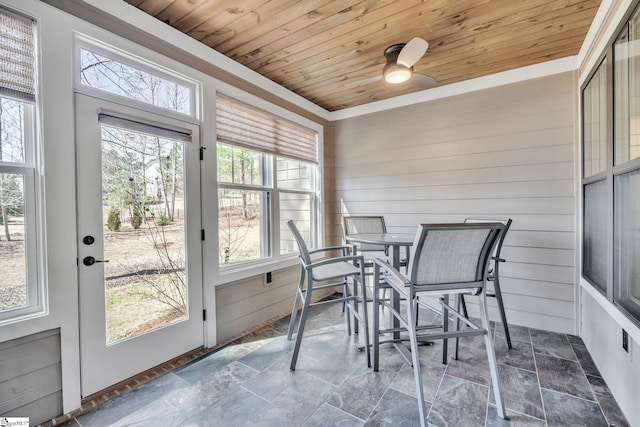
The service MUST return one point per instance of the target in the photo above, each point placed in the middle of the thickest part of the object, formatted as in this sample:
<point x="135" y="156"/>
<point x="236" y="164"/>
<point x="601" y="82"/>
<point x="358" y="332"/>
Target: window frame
<point x="33" y="192"/>
<point x="82" y="41"/>
<point x="243" y="269"/>
<point x="611" y="173"/>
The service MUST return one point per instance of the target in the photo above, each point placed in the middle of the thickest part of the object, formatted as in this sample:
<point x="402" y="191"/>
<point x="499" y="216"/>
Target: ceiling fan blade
<point x="422" y="81"/>
<point x="412" y="52"/>
<point x="362" y="82"/>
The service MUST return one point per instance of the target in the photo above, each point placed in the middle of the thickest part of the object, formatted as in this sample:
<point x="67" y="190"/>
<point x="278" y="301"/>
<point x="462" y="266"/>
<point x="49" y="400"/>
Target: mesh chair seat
<point x="334" y="270"/>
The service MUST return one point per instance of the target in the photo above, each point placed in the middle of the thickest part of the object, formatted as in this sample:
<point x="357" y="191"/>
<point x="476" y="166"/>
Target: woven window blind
<point x="241" y="125"/>
<point x="17" y="56"/>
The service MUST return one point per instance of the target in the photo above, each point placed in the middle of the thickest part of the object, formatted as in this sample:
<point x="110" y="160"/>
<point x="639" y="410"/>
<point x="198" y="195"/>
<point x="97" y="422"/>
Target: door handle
<point x="89" y="260"/>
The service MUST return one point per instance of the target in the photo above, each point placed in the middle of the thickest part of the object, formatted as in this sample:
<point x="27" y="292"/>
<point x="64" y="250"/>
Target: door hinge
<point x="204" y="315"/>
<point x="202" y="235"/>
<point x="202" y="152"/>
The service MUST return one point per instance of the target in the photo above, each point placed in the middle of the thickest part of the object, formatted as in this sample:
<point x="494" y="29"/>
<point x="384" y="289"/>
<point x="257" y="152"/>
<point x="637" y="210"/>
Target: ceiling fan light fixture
<point x="396" y="73"/>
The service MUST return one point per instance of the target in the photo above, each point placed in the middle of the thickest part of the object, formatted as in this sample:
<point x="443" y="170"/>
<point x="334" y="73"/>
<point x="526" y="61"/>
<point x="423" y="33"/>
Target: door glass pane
<point x="627" y="242"/>
<point x="595" y="123"/>
<point x="627" y="92"/>
<point x="13" y="257"/>
<point x="240" y="225"/>
<point x="595" y="234"/>
<point x="144" y="232"/>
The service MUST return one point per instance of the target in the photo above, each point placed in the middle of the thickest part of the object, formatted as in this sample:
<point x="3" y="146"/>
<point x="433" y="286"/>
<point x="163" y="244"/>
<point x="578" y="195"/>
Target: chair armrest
<point x="391" y="274"/>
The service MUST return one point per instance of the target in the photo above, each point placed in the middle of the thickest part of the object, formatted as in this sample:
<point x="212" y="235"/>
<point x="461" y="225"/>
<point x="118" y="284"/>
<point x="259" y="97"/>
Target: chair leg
<point x="296" y="303"/>
<point x="365" y="317"/>
<point x="303" y="320"/>
<point x="356" y="323"/>
<point x="415" y="359"/>
<point x="457" y="341"/>
<point x="503" y="316"/>
<point x="376" y="321"/>
<point x="445" y="328"/>
<point x="491" y="355"/>
<point x="346" y="294"/>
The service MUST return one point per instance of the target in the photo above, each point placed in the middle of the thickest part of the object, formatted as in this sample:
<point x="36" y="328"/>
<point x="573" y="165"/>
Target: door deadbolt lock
<point x="88" y="240"/>
<point x="89" y="260"/>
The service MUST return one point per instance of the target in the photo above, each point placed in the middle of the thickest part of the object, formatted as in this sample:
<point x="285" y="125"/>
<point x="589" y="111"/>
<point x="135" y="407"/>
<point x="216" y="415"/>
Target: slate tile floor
<point x="548" y="379"/>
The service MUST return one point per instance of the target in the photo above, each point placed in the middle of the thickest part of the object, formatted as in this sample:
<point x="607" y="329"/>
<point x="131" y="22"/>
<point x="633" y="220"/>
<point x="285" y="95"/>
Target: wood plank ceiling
<point x="330" y="51"/>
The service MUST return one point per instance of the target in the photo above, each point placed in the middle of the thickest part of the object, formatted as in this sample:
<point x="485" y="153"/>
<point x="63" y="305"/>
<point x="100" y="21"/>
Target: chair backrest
<point x="305" y="257"/>
<point x="507" y="223"/>
<point x="365" y="224"/>
<point x="453" y="254"/>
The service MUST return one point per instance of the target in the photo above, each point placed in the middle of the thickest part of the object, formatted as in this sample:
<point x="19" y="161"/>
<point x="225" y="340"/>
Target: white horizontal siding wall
<point x="500" y="152"/>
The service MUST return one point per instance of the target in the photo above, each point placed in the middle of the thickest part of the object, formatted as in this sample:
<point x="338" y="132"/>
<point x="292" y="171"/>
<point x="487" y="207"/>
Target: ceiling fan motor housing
<point x="392" y="71"/>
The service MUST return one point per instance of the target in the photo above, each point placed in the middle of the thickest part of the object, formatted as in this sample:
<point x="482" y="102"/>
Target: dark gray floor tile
<point x="459" y="403"/>
<point x="563" y="376"/>
<point x="212" y="387"/>
<point x="574" y="339"/>
<point x="520" y="391"/>
<point x="137" y="399"/>
<point x="432" y="369"/>
<point x="269" y="383"/>
<point x="360" y="393"/>
<point x="552" y="344"/>
<point x="329" y="416"/>
<point x="516" y="332"/>
<point x="396" y="409"/>
<point x="234" y="409"/>
<point x="204" y="366"/>
<point x="588" y="366"/>
<point x="567" y="411"/>
<point x="472" y="365"/>
<point x="608" y="404"/>
<point x="520" y="356"/>
<point x="514" y="419"/>
<point x="157" y="414"/>
<point x="295" y="404"/>
<point x="269" y="353"/>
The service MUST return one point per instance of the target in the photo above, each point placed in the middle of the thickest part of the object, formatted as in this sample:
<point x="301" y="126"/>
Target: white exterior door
<point x="139" y="243"/>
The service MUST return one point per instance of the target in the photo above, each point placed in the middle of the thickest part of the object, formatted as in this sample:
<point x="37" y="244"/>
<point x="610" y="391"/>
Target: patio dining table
<point x="394" y="241"/>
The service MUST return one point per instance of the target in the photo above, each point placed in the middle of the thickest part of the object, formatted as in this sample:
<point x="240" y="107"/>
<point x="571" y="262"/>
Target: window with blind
<point x="267" y="173"/>
<point x="21" y="292"/>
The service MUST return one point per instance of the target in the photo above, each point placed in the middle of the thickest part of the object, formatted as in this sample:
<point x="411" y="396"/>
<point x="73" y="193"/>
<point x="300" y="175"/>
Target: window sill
<point x="624" y="322"/>
<point x="246" y="270"/>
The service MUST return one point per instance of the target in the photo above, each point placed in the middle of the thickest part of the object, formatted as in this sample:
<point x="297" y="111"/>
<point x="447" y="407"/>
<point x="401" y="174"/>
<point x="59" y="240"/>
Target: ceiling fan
<point x="399" y="68"/>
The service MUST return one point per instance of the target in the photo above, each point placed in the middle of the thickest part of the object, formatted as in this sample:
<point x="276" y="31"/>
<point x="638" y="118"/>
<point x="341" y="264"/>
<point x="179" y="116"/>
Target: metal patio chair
<point x="446" y="259"/>
<point x="327" y="273"/>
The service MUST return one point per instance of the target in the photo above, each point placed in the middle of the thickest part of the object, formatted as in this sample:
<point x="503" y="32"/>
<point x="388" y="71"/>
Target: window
<point x="595" y="122"/>
<point x="611" y="166"/>
<point x="267" y="173"/>
<point x="21" y="291"/>
<point x="594" y="163"/>
<point x="100" y="70"/>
